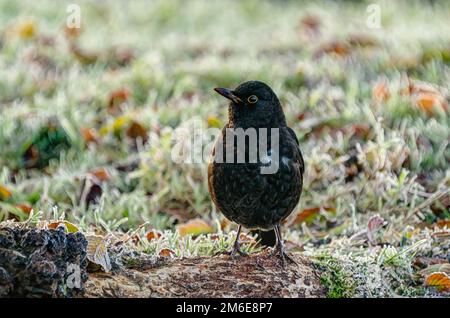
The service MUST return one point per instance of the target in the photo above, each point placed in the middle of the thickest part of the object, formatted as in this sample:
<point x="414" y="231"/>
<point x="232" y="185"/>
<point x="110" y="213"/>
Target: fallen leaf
<point x="443" y="223"/>
<point x="117" y="98"/>
<point x="165" y="252"/>
<point x="441" y="234"/>
<point x="89" y="135"/>
<point x="151" y="235"/>
<point x="91" y="191"/>
<point x="101" y="174"/>
<point x="245" y="238"/>
<point x="214" y="122"/>
<point x="119" y="124"/>
<point x="430" y="103"/>
<point x="25" y="208"/>
<point x="71" y="228"/>
<point x="26" y="29"/>
<point x="135" y="239"/>
<point x="380" y="92"/>
<point x="337" y="48"/>
<point x="427" y="97"/>
<point x="309" y="214"/>
<point x="137" y="130"/>
<point x="195" y="227"/>
<point x="375" y="223"/>
<point x="5" y="193"/>
<point x="214" y="237"/>
<point x="439" y="280"/>
<point x="97" y="251"/>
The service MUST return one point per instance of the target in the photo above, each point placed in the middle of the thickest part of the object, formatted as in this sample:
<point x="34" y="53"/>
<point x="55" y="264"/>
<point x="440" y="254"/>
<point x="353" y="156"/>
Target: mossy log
<point x="36" y="263"/>
<point x="257" y="275"/>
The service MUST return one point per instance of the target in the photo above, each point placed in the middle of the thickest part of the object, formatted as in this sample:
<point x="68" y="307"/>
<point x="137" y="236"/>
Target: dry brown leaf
<point x="25" y="208"/>
<point x="337" y="48"/>
<point x="165" y="252"/>
<point x="195" y="227"/>
<point x="439" y="280"/>
<point x="430" y="103"/>
<point x="117" y="98"/>
<point x="224" y="223"/>
<point x="137" y="130"/>
<point x="97" y="251"/>
<point x="245" y="238"/>
<point x="441" y="234"/>
<point x="309" y="214"/>
<point x="443" y="223"/>
<point x="427" y="97"/>
<point x="152" y="234"/>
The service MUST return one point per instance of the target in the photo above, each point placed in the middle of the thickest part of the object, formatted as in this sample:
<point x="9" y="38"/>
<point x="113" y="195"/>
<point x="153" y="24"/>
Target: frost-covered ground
<point x="88" y="118"/>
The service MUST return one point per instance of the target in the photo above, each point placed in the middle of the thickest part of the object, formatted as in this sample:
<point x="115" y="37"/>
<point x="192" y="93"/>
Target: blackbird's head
<point x="253" y="104"/>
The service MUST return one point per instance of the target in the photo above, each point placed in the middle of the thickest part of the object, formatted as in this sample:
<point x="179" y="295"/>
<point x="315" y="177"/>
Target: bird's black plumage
<point x="241" y="191"/>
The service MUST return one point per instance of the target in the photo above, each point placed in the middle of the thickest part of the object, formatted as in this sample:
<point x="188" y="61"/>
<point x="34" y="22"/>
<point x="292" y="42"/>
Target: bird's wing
<point x="300" y="156"/>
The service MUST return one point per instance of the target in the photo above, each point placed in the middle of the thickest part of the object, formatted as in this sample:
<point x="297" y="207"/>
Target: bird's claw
<point x="284" y="257"/>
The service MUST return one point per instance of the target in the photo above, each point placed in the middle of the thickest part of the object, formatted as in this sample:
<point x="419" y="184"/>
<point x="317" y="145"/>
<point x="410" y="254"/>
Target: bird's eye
<point x="252" y="99"/>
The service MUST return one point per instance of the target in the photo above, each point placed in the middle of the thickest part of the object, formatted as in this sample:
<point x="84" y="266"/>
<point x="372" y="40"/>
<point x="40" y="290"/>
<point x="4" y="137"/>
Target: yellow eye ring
<point x="252" y="99"/>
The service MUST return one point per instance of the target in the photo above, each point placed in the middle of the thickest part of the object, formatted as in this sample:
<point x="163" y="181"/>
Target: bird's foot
<point x="237" y="251"/>
<point x="284" y="257"/>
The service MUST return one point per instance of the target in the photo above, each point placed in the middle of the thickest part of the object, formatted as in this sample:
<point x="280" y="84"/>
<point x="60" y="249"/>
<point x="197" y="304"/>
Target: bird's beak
<point x="228" y="93"/>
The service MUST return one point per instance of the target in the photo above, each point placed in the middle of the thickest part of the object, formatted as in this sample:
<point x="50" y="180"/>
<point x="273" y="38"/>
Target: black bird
<point x="241" y="191"/>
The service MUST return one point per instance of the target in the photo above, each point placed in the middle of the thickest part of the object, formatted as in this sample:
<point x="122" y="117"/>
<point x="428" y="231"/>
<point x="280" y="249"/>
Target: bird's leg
<point x="279" y="247"/>
<point x="237" y="245"/>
